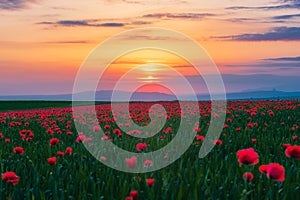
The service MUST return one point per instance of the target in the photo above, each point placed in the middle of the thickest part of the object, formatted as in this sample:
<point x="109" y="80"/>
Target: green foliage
<point x="217" y="176"/>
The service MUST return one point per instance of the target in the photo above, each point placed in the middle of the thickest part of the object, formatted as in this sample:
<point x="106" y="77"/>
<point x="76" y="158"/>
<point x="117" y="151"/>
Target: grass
<point x="217" y="176"/>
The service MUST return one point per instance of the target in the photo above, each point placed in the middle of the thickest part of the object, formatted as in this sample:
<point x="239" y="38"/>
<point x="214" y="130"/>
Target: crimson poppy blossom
<point x="150" y="182"/>
<point x="131" y="162"/>
<point x="263" y="168"/>
<point x="141" y="146"/>
<point x="148" y="163"/>
<point x="19" y="150"/>
<point x="200" y="137"/>
<point x="250" y="125"/>
<point x="102" y="158"/>
<point x="60" y="154"/>
<point x="274" y="171"/>
<point x="117" y="131"/>
<point x="80" y="138"/>
<point x="69" y="133"/>
<point x="106" y="126"/>
<point x="69" y="151"/>
<point x="52" y="161"/>
<point x="295" y="137"/>
<point x="293" y="152"/>
<point x="134" y="194"/>
<point x="54" y="141"/>
<point x="247" y="156"/>
<point x="218" y="142"/>
<point x="96" y="128"/>
<point x="248" y="176"/>
<point x="10" y="177"/>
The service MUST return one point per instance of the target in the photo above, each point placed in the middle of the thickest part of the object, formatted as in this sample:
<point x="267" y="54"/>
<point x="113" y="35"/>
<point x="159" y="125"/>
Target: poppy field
<point x="256" y="157"/>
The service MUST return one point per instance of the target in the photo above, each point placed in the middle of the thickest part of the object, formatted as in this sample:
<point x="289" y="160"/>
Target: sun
<point x="149" y="67"/>
<point x="149" y="79"/>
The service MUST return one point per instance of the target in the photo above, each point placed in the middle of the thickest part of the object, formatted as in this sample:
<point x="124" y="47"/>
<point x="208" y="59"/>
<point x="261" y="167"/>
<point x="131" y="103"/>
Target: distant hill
<point x="106" y="95"/>
<point x="257" y="95"/>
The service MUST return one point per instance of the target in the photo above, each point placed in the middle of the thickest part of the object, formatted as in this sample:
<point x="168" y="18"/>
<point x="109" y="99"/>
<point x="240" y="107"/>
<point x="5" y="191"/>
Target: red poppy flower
<point x="200" y="137"/>
<point x="247" y="156"/>
<point x="69" y="151"/>
<point x="19" y="150"/>
<point x="293" y="151"/>
<point x="248" y="176"/>
<point x="81" y="138"/>
<point x="148" y="163"/>
<point x="96" y="128"/>
<point x="10" y="177"/>
<point x="60" y="154"/>
<point x="54" y="141"/>
<point x="250" y="125"/>
<point x="131" y="162"/>
<point x="7" y="140"/>
<point x="273" y="171"/>
<point x="286" y="145"/>
<point x="129" y="198"/>
<point x="253" y="140"/>
<point x="117" y="131"/>
<point x="276" y="172"/>
<point x="52" y="161"/>
<point x="106" y="126"/>
<point x="102" y="158"/>
<point x="263" y="168"/>
<point x="69" y="133"/>
<point x="134" y="194"/>
<point x="218" y="142"/>
<point x="141" y="146"/>
<point x="295" y="137"/>
<point x="150" y="182"/>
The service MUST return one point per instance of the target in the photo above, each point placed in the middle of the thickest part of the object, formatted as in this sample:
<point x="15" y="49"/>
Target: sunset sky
<point x="256" y="45"/>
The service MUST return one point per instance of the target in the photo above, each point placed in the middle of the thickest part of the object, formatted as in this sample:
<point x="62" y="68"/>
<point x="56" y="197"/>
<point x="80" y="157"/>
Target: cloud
<point x="283" y="4"/>
<point x="270" y="63"/>
<point x="73" y="23"/>
<point x="296" y="59"/>
<point x="145" y="2"/>
<point x="68" y="42"/>
<point x="240" y="19"/>
<point x="150" y="37"/>
<point x="286" y="6"/>
<point x="124" y="1"/>
<point x="280" y="17"/>
<point x="45" y="23"/>
<point x="178" y="15"/>
<point x="16" y="4"/>
<point x="183" y="66"/>
<point x="111" y="24"/>
<point x="83" y="23"/>
<point x="93" y="23"/>
<point x="140" y="22"/>
<point x="276" y="34"/>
